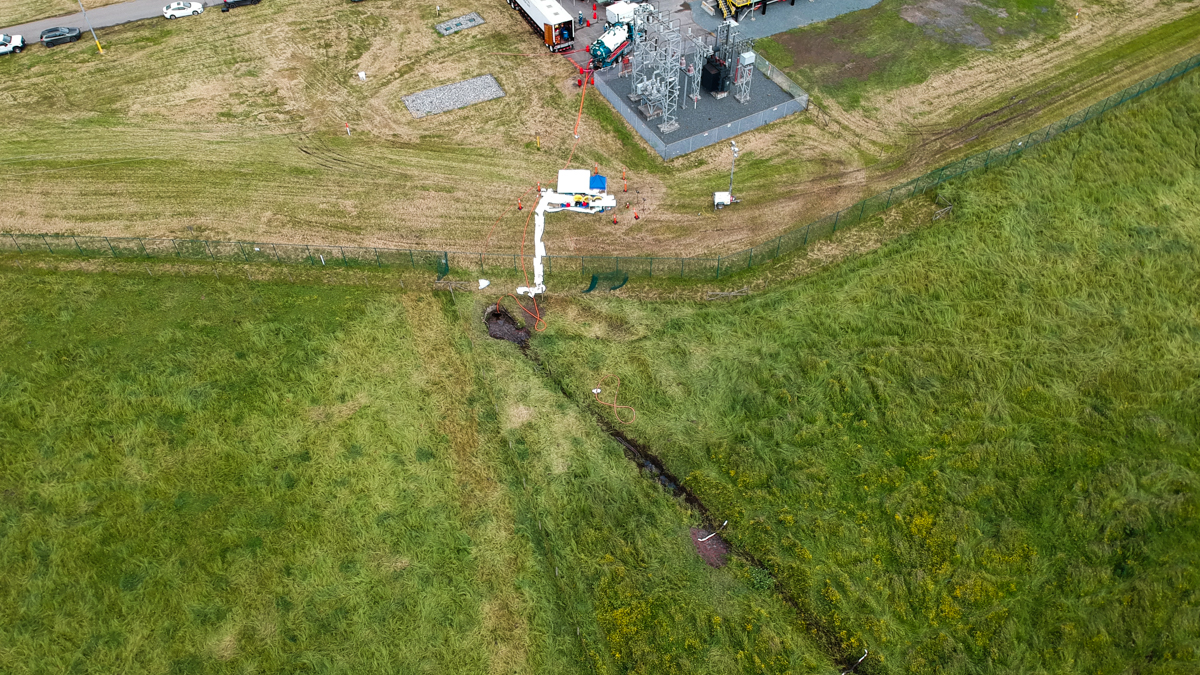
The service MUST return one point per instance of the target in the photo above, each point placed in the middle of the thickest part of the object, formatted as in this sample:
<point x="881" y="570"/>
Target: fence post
<point x="985" y="159"/>
<point x="110" y="248"/>
<point x="143" y="245"/>
<point x="47" y="243"/>
<point x="310" y="258"/>
<point x="411" y="263"/>
<point x="77" y="245"/>
<point x="778" y="241"/>
<point x="888" y="205"/>
<point x="276" y="252"/>
<point x="681" y="267"/>
<point x="837" y="216"/>
<point x="718" y="267"/>
<point x="14" y="238"/>
<point x="806" y="229"/>
<point x="750" y="259"/>
<point x="377" y="263"/>
<point x="481" y="264"/>
<point x="1108" y="105"/>
<point x="243" y="250"/>
<point x="176" y="247"/>
<point x="863" y="209"/>
<point x="345" y="263"/>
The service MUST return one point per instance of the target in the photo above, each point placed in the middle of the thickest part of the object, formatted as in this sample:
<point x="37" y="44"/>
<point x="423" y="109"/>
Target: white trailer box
<point x="574" y="181"/>
<point x="549" y="20"/>
<point x="619" y="12"/>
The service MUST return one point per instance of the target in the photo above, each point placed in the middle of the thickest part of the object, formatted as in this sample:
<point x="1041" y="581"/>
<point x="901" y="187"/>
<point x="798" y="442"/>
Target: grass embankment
<point x="222" y="476"/>
<point x="975" y="449"/>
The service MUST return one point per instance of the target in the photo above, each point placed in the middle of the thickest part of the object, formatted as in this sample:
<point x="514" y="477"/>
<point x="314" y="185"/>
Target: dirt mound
<point x="714" y="551"/>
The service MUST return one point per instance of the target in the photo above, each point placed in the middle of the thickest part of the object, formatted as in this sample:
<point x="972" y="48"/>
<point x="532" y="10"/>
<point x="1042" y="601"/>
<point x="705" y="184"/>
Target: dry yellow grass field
<point x="232" y="126"/>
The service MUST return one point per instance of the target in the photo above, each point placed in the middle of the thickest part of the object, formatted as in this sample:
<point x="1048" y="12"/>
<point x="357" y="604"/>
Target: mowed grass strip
<point x="973" y="450"/>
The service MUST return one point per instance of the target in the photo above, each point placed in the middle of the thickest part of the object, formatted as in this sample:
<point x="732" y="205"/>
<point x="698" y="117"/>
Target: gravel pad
<point x="452" y="96"/>
<point x="461" y="23"/>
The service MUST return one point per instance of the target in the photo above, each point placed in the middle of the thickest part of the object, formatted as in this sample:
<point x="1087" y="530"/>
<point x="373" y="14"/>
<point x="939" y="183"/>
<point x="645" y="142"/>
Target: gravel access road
<point x="101" y="17"/>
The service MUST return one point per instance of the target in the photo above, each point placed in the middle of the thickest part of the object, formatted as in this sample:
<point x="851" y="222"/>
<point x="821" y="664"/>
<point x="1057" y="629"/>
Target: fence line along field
<point x="241" y="134"/>
<point x="974" y="449"/>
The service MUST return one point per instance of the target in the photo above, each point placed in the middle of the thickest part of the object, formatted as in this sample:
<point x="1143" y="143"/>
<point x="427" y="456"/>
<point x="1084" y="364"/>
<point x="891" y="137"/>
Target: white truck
<point x="549" y="20"/>
<point x="11" y="44"/>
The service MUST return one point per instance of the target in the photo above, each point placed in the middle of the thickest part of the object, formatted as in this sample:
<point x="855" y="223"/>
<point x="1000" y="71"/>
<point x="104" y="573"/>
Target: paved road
<point x="101" y="17"/>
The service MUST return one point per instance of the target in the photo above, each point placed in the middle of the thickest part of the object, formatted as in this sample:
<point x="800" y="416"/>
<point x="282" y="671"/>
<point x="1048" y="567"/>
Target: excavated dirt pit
<point x="714" y="550"/>
<point x="502" y="326"/>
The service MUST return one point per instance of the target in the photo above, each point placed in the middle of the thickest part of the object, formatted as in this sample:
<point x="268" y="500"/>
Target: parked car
<point x="11" y="43"/>
<point x="230" y="4"/>
<point x="59" y="36"/>
<point x="178" y="9"/>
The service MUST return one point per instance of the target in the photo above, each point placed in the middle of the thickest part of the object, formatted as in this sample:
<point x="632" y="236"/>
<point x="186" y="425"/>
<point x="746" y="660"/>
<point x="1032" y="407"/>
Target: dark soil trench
<point x="714" y="549"/>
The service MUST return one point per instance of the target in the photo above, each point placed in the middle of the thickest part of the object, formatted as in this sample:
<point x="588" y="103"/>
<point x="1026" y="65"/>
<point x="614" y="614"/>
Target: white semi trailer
<point x="550" y="21"/>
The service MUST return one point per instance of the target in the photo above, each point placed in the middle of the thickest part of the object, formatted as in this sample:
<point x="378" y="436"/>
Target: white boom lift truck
<point x="578" y="190"/>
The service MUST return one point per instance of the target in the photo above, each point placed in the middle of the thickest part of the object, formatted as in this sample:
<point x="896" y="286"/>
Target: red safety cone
<point x="589" y="24"/>
<point x="614" y="220"/>
<point x="579" y="82"/>
<point x="595" y="16"/>
<point x="636" y="216"/>
<point x="593" y="6"/>
<point x="519" y="207"/>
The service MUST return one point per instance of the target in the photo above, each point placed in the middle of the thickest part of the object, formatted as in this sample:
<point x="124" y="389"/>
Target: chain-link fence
<point x="578" y="266"/>
<point x="724" y="131"/>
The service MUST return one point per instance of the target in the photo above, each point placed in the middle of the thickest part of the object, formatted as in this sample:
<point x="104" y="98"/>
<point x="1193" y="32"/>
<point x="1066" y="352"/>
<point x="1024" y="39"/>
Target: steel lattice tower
<point x="745" y="70"/>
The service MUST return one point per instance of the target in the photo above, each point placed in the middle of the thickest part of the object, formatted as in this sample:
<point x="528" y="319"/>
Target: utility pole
<point x="89" y="25"/>
<point x="732" y="162"/>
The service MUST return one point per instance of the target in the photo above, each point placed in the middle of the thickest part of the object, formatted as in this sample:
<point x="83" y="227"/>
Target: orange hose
<point x="488" y="241"/>
<point x="539" y="324"/>
<point x="578" y="118"/>
<point x="616" y="408"/>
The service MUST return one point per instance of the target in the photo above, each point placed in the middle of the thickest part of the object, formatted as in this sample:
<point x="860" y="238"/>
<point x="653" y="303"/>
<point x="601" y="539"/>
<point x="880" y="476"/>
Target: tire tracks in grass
<point x="491" y="520"/>
<point x="528" y="519"/>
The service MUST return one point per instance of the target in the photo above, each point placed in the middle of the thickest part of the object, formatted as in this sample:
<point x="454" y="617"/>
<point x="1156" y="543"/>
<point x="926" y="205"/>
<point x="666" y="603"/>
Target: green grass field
<point x="226" y="476"/>
<point x="877" y="49"/>
<point x="973" y="451"/>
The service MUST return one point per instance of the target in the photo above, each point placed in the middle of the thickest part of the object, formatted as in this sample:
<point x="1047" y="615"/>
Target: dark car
<point x="230" y="4"/>
<point x="59" y="36"/>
